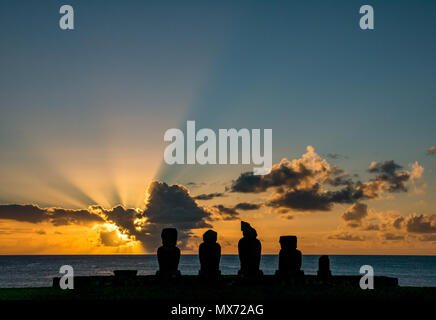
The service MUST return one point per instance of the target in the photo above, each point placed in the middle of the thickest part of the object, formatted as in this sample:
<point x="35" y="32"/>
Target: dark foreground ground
<point x="104" y="294"/>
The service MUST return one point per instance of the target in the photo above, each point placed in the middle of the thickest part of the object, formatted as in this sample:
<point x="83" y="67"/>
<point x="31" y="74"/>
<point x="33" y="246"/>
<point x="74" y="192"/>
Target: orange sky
<point x="319" y="232"/>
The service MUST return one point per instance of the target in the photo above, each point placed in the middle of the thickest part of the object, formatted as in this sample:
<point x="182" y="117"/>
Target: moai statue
<point x="249" y="248"/>
<point x="210" y="255"/>
<point x="168" y="255"/>
<point x="324" y="267"/>
<point x="289" y="258"/>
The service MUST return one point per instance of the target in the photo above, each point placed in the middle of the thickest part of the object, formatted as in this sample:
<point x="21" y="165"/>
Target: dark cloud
<point x="370" y="227"/>
<point x="247" y="206"/>
<point x="227" y="213"/>
<point x="209" y="196"/>
<point x="283" y="174"/>
<point x="398" y="222"/>
<point x="355" y="213"/>
<point x="124" y="219"/>
<point x="388" y="172"/>
<point x="421" y="223"/>
<point x="231" y="213"/>
<point x="170" y="206"/>
<point x="313" y="199"/>
<point x="392" y="236"/>
<point x="57" y="216"/>
<point x="346" y="237"/>
<point x="23" y="213"/>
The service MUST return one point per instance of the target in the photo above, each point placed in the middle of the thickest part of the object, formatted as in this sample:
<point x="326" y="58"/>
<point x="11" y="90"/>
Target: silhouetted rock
<point x="324" y="267"/>
<point x="249" y="249"/>
<point x="210" y="255"/>
<point x="168" y="255"/>
<point x="125" y="273"/>
<point x="289" y="258"/>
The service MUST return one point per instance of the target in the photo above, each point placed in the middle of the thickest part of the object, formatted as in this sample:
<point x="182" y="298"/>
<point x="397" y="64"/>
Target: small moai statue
<point x="324" y="267"/>
<point x="289" y="258"/>
<point x="168" y="255"/>
<point x="210" y="255"/>
<point x="249" y="249"/>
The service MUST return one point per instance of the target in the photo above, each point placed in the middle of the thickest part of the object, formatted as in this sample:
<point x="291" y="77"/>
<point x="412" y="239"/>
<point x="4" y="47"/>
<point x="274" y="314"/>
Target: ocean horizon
<point x="21" y="271"/>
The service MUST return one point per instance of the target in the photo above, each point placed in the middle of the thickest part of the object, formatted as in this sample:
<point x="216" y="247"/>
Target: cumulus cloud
<point x="170" y="206"/>
<point x="299" y="173"/>
<point x="389" y="178"/>
<point x="355" y="213"/>
<point x="311" y="184"/>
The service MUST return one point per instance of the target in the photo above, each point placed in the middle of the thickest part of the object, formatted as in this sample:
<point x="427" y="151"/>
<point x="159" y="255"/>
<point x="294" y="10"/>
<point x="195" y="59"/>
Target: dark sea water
<point x="38" y="271"/>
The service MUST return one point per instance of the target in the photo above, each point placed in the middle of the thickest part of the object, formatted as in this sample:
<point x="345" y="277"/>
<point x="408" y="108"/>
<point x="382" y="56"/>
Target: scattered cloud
<point x="421" y="223"/>
<point x="355" y="213"/>
<point x="57" y="216"/>
<point x="427" y="237"/>
<point x="431" y="150"/>
<point x="227" y="213"/>
<point x="209" y="196"/>
<point x="247" y="206"/>
<point x="345" y="236"/>
<point x="392" y="237"/>
<point x="335" y="156"/>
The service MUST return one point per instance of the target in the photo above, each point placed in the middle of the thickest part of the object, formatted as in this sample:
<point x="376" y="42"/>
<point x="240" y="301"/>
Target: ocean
<point x="38" y="271"/>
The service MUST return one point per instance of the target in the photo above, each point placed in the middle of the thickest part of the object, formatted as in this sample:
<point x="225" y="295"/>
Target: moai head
<point x="288" y="242"/>
<point x="324" y="263"/>
<point x="169" y="237"/>
<point x="210" y="236"/>
<point x="247" y="230"/>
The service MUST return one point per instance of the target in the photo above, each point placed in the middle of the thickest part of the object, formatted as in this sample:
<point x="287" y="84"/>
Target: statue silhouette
<point x="210" y="255"/>
<point x="249" y="249"/>
<point x="324" y="267"/>
<point x="168" y="255"/>
<point x="289" y="258"/>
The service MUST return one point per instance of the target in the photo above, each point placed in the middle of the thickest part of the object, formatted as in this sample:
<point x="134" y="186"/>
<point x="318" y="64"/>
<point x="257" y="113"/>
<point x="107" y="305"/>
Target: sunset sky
<point x="83" y="114"/>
